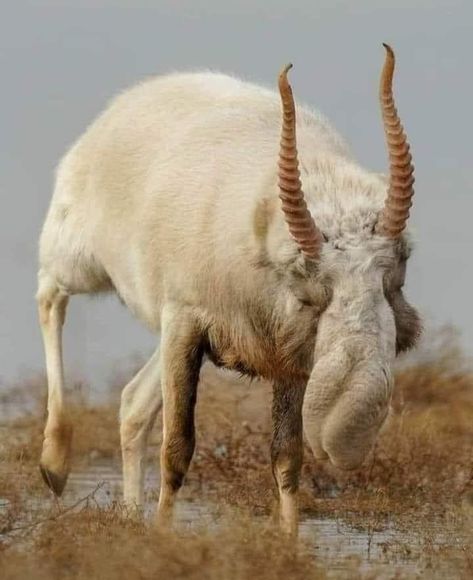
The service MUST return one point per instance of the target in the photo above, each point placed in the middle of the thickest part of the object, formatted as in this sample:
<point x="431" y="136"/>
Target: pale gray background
<point x="61" y="61"/>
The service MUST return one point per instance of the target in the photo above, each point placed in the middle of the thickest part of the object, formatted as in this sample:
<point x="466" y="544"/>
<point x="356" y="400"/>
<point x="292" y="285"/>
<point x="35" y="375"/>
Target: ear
<point x="407" y="321"/>
<point x="406" y="318"/>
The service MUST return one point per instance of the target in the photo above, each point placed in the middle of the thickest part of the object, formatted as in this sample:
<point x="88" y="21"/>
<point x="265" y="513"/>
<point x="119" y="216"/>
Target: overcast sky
<point x="61" y="61"/>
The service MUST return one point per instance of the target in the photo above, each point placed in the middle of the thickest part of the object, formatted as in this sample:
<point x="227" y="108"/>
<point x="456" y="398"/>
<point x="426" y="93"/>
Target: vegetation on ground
<point x="418" y="480"/>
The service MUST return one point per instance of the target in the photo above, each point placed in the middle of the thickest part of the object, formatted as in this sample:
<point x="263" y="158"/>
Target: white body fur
<point x="157" y="179"/>
<point x="170" y="198"/>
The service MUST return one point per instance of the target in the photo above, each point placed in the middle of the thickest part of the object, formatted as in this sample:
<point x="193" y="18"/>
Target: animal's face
<point x="365" y="323"/>
<point x="356" y="260"/>
<point x="357" y="244"/>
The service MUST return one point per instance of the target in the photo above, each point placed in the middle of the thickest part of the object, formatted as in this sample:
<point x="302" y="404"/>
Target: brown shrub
<point x="103" y="544"/>
<point x="420" y="472"/>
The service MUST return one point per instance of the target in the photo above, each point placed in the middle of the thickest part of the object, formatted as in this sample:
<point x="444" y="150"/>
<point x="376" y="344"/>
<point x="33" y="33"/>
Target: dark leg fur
<point x="287" y="450"/>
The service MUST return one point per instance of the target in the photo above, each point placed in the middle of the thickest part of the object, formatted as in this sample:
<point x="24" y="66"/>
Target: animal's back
<point x="172" y="161"/>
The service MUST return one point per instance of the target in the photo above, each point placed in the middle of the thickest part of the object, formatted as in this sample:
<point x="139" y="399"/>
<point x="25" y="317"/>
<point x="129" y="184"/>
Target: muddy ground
<point x="408" y="513"/>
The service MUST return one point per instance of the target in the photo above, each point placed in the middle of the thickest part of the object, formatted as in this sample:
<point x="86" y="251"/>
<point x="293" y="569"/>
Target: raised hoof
<point x="55" y="481"/>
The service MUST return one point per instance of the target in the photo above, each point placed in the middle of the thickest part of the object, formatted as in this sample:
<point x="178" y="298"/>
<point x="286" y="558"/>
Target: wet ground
<point x="407" y="514"/>
<point x="384" y="549"/>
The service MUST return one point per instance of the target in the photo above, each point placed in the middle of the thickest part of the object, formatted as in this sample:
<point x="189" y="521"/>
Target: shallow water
<point x="385" y="551"/>
<point x="382" y="550"/>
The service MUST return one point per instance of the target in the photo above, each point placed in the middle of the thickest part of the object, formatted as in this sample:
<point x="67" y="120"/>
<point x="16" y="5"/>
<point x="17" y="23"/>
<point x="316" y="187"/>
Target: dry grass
<point x="104" y="544"/>
<point x="424" y="451"/>
<point x="419" y="476"/>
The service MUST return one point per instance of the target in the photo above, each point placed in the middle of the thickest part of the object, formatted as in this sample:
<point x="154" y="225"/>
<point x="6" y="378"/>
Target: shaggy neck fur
<point x="273" y="331"/>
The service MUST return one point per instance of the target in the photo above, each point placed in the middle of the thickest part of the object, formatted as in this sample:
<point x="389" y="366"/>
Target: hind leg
<point x="141" y="402"/>
<point x="55" y="457"/>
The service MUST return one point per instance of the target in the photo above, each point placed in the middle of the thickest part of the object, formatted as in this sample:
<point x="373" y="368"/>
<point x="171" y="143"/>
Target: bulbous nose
<point x="342" y="420"/>
<point x="351" y="427"/>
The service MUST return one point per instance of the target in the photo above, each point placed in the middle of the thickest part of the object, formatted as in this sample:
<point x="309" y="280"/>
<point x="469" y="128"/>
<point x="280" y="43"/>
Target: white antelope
<point x="173" y="199"/>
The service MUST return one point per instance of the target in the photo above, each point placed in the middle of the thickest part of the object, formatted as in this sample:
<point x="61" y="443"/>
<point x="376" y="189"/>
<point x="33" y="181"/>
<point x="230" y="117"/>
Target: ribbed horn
<point x="401" y="171"/>
<point x="301" y="224"/>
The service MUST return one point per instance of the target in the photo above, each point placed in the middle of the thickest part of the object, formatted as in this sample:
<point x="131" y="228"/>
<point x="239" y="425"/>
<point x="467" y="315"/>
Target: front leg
<point x="287" y="450"/>
<point x="140" y="404"/>
<point x="181" y="358"/>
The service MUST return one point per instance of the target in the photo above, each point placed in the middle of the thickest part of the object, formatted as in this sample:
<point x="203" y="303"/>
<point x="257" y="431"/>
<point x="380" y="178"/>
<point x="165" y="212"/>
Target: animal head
<point x="357" y="252"/>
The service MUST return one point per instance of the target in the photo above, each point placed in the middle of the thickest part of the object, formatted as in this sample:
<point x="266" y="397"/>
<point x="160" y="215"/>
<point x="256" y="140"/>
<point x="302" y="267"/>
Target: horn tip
<point x="285" y="69"/>
<point x="389" y="50"/>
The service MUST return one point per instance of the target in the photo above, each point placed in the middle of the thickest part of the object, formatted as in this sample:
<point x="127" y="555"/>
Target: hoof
<point x="55" y="481"/>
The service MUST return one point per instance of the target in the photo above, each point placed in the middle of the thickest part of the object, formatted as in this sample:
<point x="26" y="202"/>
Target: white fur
<point x="170" y="197"/>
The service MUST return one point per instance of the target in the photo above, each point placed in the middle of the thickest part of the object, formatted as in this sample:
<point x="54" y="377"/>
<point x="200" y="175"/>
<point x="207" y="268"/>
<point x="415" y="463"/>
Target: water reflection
<point x="386" y="550"/>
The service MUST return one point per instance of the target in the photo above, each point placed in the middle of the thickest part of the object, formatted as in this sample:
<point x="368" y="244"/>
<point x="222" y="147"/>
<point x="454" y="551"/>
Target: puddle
<point x="383" y="552"/>
<point x="83" y="482"/>
<point x="387" y="551"/>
